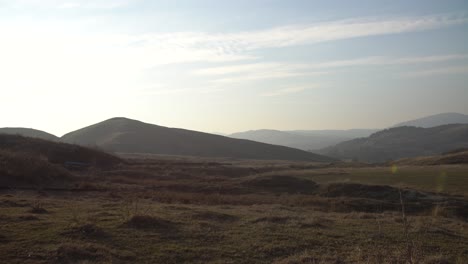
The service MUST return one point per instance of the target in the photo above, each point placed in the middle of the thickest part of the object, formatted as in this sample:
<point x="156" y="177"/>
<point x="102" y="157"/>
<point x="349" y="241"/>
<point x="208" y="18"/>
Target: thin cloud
<point x="53" y="57"/>
<point x="382" y="60"/>
<point x="236" y="69"/>
<point x="289" y="90"/>
<point x="438" y="71"/>
<point x="60" y="4"/>
<point x="307" y="34"/>
<point x="267" y="75"/>
<point x="258" y="71"/>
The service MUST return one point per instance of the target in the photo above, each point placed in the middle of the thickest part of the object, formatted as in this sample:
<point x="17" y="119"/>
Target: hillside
<point x="436" y="120"/>
<point x="26" y="162"/>
<point x="302" y="139"/>
<point x="28" y="132"/>
<point x="132" y="136"/>
<point x="457" y="157"/>
<point x="401" y="142"/>
<point x="55" y="152"/>
<point x="347" y="133"/>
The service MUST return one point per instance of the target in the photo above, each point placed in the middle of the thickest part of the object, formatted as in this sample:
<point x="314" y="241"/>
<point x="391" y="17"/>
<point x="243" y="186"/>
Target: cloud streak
<point x="60" y="4"/>
<point x="275" y="70"/>
<point x="53" y="58"/>
<point x="305" y="34"/>
<point x="288" y="90"/>
<point x="439" y="71"/>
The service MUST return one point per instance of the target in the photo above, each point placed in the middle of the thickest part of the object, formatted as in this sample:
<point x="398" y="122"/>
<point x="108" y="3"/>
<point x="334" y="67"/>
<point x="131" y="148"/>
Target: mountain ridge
<point x="308" y="140"/>
<point x="436" y="120"/>
<point x="133" y="136"/>
<point x="28" y="132"/>
<point x="401" y="142"/>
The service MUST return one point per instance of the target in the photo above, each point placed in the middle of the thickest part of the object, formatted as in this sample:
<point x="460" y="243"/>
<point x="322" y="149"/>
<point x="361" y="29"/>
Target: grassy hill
<point x="28" y="132"/>
<point x="455" y="157"/>
<point x="132" y="136"/>
<point x="402" y="142"/>
<point x="28" y="161"/>
<point x="56" y="152"/>
<point x="436" y="120"/>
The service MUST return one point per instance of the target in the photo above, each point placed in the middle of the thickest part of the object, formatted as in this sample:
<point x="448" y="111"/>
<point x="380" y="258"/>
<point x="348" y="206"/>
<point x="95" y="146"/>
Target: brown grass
<point x="170" y="211"/>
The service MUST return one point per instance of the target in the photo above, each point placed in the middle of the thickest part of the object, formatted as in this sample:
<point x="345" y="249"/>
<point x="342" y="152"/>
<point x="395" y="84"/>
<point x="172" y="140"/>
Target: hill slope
<point x="457" y="157"/>
<point x="402" y="142"/>
<point x="436" y="120"/>
<point x="301" y="139"/>
<point x="347" y="133"/>
<point x="28" y="132"/>
<point x="132" y="136"/>
<point x="26" y="161"/>
<point x="56" y="152"/>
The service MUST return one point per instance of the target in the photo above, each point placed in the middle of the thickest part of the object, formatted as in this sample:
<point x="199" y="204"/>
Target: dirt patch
<point x="282" y="184"/>
<point x="305" y="257"/>
<point x="149" y="222"/>
<point x="9" y="203"/>
<point x="275" y="219"/>
<point x="38" y="210"/>
<point x="316" y="223"/>
<point x="28" y="218"/>
<point x="462" y="211"/>
<point x="86" y="231"/>
<point x="73" y="253"/>
<point x="377" y="192"/>
<point x="214" y="216"/>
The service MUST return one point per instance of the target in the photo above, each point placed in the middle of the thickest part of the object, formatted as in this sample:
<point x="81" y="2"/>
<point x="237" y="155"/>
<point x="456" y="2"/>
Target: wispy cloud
<point x="51" y="55"/>
<point x="181" y="47"/>
<point x="438" y="71"/>
<point x="266" y="75"/>
<point x="255" y="71"/>
<point x="240" y="43"/>
<point x="275" y="70"/>
<point x="288" y="90"/>
<point x="60" y="4"/>
<point x="382" y="60"/>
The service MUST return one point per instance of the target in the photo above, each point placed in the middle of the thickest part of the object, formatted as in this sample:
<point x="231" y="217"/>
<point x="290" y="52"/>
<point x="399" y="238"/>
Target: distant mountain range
<point x="309" y="140"/>
<point x="28" y="132"/>
<point x="370" y="145"/>
<point x="401" y="142"/>
<point x="132" y="136"/>
<point x="436" y="120"/>
<point x="313" y="140"/>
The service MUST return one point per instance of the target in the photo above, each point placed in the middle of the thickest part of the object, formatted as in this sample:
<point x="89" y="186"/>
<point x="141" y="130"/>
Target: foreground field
<point x="155" y="210"/>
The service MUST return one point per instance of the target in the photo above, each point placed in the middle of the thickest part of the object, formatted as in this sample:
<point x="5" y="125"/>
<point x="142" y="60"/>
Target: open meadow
<point x="154" y="209"/>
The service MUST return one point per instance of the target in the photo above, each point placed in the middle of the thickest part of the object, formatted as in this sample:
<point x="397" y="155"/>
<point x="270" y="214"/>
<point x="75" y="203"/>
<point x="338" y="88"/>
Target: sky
<point x="229" y="66"/>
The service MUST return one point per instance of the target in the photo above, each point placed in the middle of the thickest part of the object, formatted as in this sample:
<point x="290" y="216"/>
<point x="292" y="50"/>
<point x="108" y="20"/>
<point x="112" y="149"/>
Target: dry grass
<point x="195" y="211"/>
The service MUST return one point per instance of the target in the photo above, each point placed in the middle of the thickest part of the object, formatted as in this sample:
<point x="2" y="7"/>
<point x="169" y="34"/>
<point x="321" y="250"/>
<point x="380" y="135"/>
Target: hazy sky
<point x="230" y="66"/>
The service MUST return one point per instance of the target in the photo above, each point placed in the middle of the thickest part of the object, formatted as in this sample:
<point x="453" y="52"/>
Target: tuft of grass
<point x="38" y="208"/>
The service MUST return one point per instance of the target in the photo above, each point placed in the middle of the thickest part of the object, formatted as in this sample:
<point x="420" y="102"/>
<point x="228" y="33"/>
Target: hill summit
<point x="132" y="136"/>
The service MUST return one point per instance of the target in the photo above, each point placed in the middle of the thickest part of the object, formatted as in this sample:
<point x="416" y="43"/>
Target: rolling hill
<point x="436" y="120"/>
<point x="132" y="136"/>
<point x="302" y="139"/>
<point x="401" y="142"/>
<point x="453" y="157"/>
<point x="26" y="161"/>
<point x="28" y="132"/>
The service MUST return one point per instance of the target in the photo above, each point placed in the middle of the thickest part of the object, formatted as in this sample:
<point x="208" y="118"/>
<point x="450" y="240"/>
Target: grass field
<point x="452" y="179"/>
<point x="196" y="211"/>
